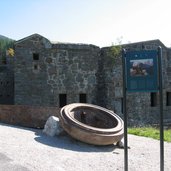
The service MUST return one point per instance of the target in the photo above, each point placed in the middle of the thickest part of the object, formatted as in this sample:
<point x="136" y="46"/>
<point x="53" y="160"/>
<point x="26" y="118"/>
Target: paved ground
<point x="23" y="149"/>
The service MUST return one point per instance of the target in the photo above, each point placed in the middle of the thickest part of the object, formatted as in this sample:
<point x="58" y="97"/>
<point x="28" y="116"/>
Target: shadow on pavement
<point x="68" y="143"/>
<point x="64" y="141"/>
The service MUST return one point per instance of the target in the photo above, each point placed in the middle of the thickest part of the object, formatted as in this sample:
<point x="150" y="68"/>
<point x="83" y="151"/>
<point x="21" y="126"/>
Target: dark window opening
<point x="168" y="98"/>
<point x="153" y="99"/>
<point x="83" y="98"/>
<point x="35" y="56"/>
<point x="35" y="67"/>
<point x="122" y="105"/>
<point x="62" y="100"/>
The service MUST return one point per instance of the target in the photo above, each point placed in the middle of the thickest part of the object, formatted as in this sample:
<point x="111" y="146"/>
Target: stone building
<point x="56" y="74"/>
<point x="7" y="82"/>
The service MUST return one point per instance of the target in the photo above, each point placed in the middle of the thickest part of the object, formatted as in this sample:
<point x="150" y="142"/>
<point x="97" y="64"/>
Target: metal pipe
<point x="161" y="107"/>
<point x="124" y="111"/>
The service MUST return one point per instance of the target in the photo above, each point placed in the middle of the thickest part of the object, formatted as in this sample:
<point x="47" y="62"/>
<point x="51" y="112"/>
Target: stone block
<point x="52" y="126"/>
<point x="118" y="92"/>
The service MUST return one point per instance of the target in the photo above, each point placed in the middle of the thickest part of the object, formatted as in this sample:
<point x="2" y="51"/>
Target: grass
<point x="150" y="132"/>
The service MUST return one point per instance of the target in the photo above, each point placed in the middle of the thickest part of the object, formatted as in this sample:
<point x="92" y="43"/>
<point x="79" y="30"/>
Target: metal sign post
<point x="142" y="72"/>
<point x="161" y="108"/>
<point x="125" y="111"/>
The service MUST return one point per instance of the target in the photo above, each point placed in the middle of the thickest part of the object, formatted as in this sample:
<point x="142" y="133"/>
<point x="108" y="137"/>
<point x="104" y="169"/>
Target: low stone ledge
<point x="28" y="116"/>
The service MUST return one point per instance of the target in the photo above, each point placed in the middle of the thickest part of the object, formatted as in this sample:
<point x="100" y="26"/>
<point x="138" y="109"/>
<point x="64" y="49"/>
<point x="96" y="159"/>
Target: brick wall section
<point x="28" y="116"/>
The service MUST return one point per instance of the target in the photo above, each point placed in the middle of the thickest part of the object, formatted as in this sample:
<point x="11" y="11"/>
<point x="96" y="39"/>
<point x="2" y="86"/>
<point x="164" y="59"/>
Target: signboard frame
<point x="156" y="55"/>
<point x="141" y="71"/>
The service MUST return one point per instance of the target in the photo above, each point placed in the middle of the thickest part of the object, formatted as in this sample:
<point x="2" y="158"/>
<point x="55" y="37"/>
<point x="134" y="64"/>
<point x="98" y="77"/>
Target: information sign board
<point x="141" y="71"/>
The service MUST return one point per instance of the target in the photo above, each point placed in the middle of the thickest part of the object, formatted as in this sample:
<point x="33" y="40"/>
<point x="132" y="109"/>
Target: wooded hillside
<point x="5" y="44"/>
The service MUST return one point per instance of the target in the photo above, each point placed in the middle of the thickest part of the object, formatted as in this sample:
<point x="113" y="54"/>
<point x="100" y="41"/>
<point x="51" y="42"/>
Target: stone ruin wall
<point x="75" y="69"/>
<point x="139" y="106"/>
<point x="27" y="116"/>
<point x="7" y="82"/>
<point x="61" y="69"/>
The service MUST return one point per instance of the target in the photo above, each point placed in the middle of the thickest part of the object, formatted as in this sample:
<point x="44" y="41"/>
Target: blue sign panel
<point x="141" y="71"/>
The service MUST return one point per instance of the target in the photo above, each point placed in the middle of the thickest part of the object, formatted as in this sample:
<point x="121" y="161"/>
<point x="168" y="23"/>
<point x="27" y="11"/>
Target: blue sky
<point x="99" y="22"/>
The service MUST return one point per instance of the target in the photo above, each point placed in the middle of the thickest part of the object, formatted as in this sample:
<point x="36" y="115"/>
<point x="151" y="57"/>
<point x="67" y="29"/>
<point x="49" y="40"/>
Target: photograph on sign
<point x="141" y="67"/>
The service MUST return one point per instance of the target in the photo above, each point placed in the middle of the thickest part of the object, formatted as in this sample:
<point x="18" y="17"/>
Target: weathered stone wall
<point x="61" y="69"/>
<point x="30" y="82"/>
<point x="28" y="116"/>
<point x="139" y="106"/>
<point x="44" y="70"/>
<point x="7" y="83"/>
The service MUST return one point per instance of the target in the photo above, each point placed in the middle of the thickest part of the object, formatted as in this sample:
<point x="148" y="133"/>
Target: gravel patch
<point x="24" y="149"/>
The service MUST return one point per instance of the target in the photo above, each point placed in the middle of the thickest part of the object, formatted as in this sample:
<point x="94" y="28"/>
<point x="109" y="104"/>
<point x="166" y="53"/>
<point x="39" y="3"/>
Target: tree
<point x="10" y="52"/>
<point x="115" y="50"/>
<point x="6" y="48"/>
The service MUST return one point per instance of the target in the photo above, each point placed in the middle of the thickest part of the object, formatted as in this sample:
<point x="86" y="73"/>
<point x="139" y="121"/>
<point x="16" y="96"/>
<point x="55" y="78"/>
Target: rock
<point x="52" y="126"/>
<point x="120" y="144"/>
